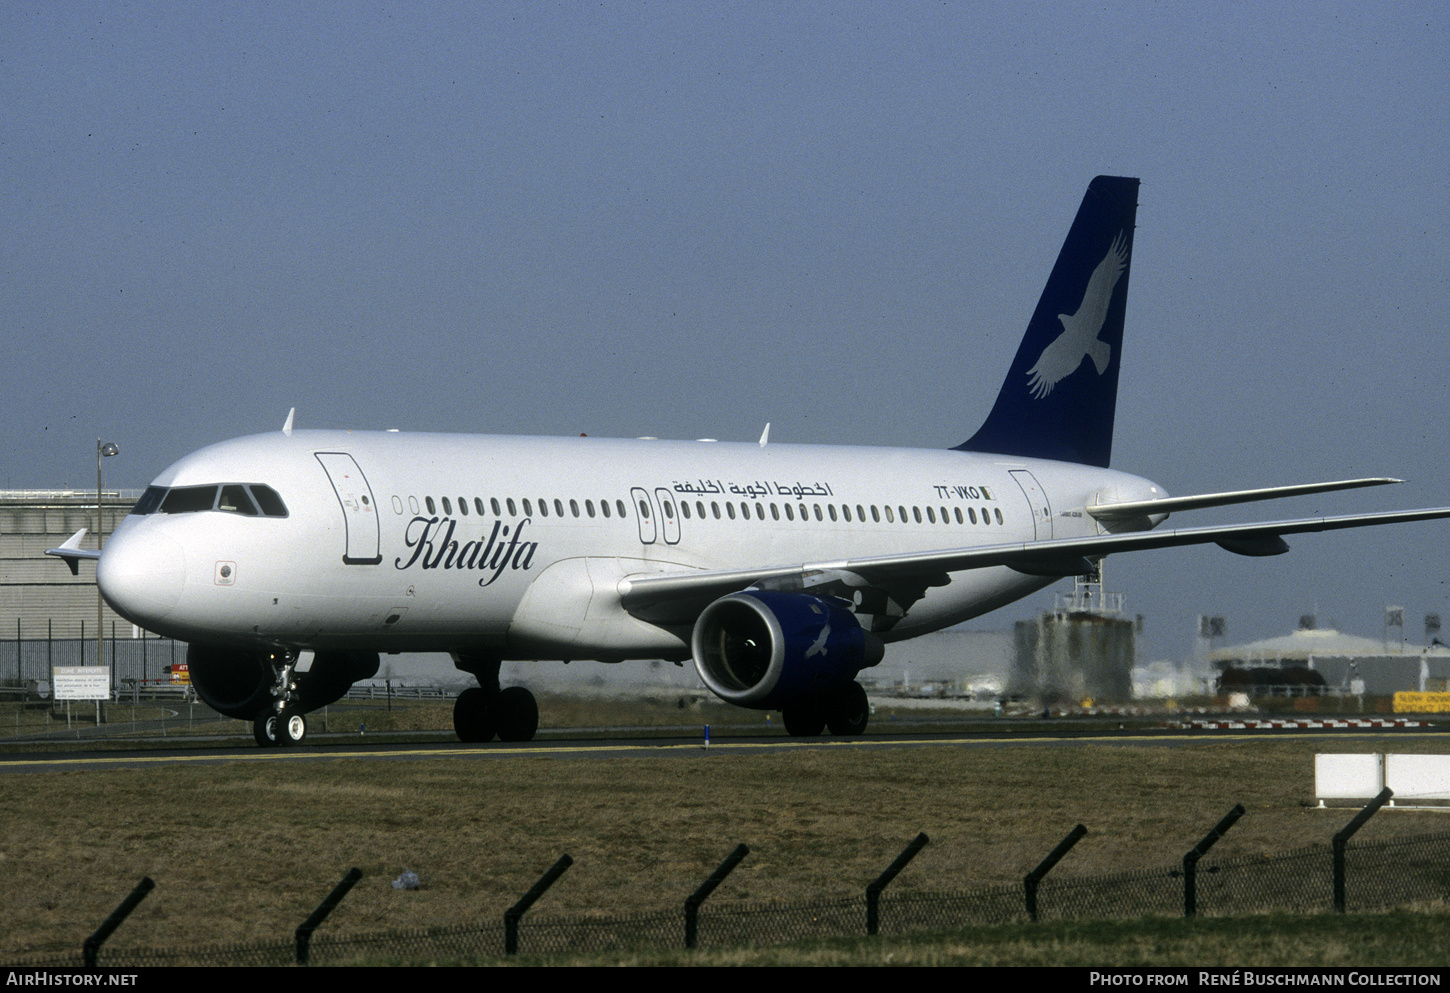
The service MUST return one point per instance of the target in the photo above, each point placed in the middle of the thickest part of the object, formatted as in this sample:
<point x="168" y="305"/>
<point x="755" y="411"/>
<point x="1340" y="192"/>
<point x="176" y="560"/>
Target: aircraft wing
<point x="72" y="552"/>
<point x="679" y="597"/>
<point x="1113" y="513"/>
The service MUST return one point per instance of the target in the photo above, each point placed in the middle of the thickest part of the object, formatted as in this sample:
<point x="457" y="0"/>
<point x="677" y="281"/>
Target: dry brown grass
<point x="246" y="850"/>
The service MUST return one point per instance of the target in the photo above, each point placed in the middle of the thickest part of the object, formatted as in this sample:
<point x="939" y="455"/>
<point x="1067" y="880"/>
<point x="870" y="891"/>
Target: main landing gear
<point x="512" y="714"/>
<point x="484" y="712"/>
<point x="846" y="712"/>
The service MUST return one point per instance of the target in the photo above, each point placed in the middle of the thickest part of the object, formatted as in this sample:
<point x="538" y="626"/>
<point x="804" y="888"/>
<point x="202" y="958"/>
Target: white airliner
<point x="289" y="561"/>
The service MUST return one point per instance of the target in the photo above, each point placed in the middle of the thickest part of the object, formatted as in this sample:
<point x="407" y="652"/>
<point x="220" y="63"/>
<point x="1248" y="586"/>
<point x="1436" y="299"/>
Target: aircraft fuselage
<point x="517" y="546"/>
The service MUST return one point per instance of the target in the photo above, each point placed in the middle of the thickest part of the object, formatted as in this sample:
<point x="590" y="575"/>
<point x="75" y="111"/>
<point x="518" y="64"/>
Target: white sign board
<point x="1348" y="777"/>
<point x="1361" y="777"/>
<point x="1418" y="777"/>
<point x="81" y="682"/>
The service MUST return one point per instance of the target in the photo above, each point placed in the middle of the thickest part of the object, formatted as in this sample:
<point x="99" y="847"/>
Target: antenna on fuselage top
<point x="765" y="435"/>
<point x="287" y="427"/>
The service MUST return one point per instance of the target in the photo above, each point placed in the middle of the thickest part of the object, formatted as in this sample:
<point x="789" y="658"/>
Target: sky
<point x="689" y="219"/>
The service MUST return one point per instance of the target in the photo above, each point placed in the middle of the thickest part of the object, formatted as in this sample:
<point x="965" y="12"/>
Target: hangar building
<point x="38" y="595"/>
<point x="1335" y="661"/>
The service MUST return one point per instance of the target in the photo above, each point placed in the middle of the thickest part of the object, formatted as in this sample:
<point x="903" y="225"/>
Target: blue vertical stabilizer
<point x="1060" y="396"/>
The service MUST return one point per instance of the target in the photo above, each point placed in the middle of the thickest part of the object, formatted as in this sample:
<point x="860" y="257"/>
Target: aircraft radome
<point x="288" y="561"/>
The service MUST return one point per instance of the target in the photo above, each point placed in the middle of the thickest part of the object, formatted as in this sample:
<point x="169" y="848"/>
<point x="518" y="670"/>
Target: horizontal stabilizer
<point x="72" y="552"/>
<point x="1112" y="512"/>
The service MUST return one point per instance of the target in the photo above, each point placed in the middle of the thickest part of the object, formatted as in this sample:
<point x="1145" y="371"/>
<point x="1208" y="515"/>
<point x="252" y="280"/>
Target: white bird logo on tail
<point x="1080" y="330"/>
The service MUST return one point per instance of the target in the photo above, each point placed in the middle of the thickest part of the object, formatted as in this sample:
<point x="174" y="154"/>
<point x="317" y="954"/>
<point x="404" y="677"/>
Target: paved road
<point x="233" y="748"/>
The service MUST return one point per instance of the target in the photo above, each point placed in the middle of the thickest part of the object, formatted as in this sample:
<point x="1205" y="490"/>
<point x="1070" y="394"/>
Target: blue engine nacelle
<point x="768" y="650"/>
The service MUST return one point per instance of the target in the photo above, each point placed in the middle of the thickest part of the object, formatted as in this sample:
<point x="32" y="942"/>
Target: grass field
<point x="1406" y="938"/>
<point x="246" y="850"/>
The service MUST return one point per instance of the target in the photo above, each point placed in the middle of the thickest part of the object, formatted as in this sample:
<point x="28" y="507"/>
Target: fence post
<point x="513" y="914"/>
<point x="92" y="946"/>
<point x="1342" y="839"/>
<point x="1030" y="881"/>
<point x="315" y="919"/>
<point x="693" y="901"/>
<point x="1190" y="861"/>
<point x="873" y="892"/>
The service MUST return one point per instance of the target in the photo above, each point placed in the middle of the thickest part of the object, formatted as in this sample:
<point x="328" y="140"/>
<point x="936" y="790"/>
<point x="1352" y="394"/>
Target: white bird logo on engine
<point x="1079" y="336"/>
<point x="818" y="647"/>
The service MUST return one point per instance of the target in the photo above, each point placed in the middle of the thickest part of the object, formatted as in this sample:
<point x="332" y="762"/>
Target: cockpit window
<point x="247" y="499"/>
<point x="149" y="501"/>
<point x="188" y="499"/>
<point x="235" y="500"/>
<point x="268" y="500"/>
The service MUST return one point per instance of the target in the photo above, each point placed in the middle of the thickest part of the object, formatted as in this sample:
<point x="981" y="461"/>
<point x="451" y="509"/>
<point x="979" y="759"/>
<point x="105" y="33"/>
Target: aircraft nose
<point x="141" y="574"/>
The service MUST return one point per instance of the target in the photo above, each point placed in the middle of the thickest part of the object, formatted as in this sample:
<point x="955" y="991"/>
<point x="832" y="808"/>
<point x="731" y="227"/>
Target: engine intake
<point x="767" y="650"/>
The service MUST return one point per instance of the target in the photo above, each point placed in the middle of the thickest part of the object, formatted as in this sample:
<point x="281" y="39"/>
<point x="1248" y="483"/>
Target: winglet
<point x="72" y="552"/>
<point x="765" y="435"/>
<point x="287" y="427"/>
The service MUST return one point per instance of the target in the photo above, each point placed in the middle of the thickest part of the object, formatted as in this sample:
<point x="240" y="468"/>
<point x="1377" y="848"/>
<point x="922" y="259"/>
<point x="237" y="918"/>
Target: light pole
<point x="103" y="450"/>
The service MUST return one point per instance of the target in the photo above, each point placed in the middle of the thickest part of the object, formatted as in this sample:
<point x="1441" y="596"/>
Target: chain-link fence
<point x="1379" y="875"/>
<point x="132" y="662"/>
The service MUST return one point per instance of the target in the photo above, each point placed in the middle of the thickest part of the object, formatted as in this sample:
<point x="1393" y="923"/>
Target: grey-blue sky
<point x="685" y="220"/>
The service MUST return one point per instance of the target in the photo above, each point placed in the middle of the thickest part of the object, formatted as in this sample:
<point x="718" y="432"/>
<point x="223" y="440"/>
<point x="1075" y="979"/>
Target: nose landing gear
<point x="282" y="722"/>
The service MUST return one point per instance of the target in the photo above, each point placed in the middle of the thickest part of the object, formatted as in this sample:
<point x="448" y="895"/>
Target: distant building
<point x="38" y="595"/>
<point x="1316" y="660"/>
<point x="1083" y="649"/>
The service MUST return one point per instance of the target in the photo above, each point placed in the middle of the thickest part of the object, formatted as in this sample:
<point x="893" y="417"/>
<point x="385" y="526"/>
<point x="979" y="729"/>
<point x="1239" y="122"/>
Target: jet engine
<point x="769" y="650"/>
<point x="238" y="682"/>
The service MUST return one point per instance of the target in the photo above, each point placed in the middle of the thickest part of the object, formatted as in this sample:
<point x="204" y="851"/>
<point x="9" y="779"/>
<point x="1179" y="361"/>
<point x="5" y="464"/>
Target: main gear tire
<point x="804" y="721"/>
<point x="848" y="711"/>
<point x="473" y="716"/>
<point x="516" y="714"/>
